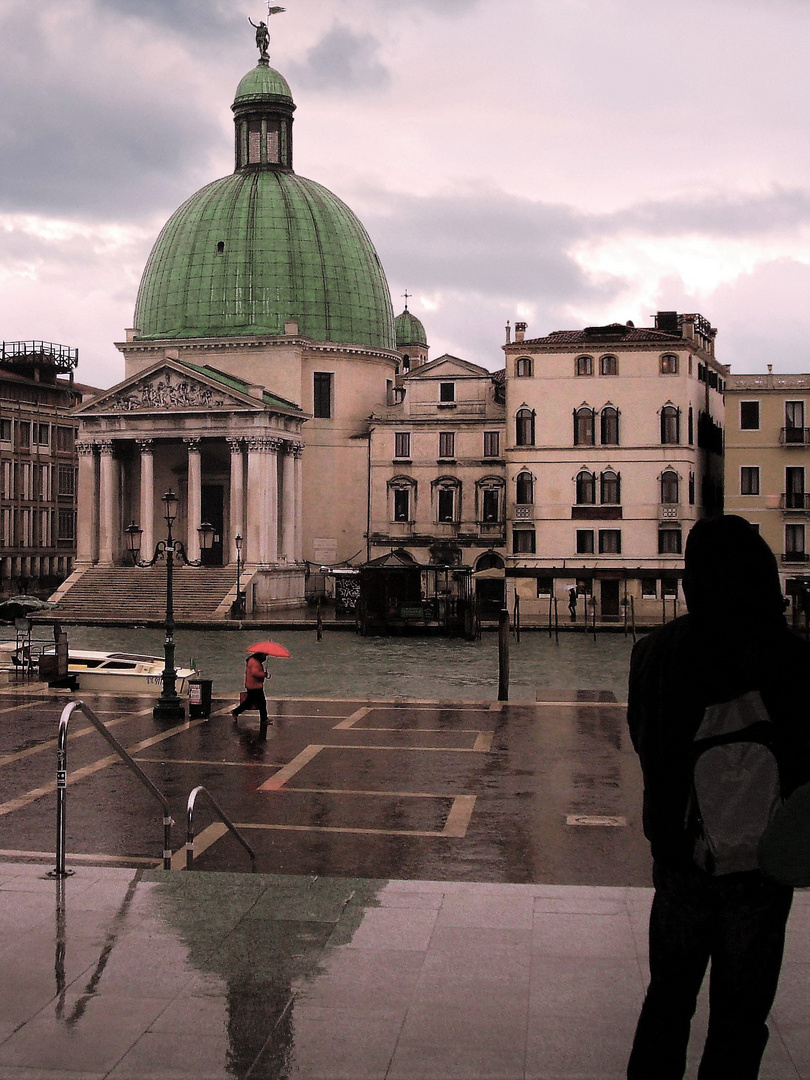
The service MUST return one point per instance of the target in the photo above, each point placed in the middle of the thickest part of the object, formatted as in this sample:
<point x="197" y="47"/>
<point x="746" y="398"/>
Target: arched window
<point x="490" y="500"/>
<point x="524" y="488"/>
<point x="669" y="486"/>
<point x="610" y="487"/>
<point x="670" y="424"/>
<point x="608" y="365"/>
<point x="523" y="368"/>
<point x="524" y="427"/>
<point x="584" y="426"/>
<point x="586" y="488"/>
<point x="584" y="365"/>
<point x="402" y="498"/>
<point x="609" y="423"/>
<point x="669" y="364"/>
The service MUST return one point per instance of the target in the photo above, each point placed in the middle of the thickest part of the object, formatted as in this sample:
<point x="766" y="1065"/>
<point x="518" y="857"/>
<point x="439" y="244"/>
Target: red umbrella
<point x="269" y="648"/>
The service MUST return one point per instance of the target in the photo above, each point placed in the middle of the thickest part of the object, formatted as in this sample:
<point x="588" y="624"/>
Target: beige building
<point x="614" y="448"/>
<point x="767" y="463"/>
<point x="436" y="465"/>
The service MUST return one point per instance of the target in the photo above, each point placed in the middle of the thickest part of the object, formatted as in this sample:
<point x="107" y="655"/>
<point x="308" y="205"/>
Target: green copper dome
<point x="262" y="247"/>
<point x="409" y="330"/>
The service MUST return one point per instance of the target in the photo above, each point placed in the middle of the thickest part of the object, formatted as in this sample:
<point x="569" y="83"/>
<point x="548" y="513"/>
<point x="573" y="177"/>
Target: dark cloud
<point x="342" y="60"/>
<point x="718" y="215"/>
<point x="194" y="19"/>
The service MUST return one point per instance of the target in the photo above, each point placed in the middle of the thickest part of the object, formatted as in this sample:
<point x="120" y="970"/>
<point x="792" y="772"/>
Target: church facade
<point x="263" y="339"/>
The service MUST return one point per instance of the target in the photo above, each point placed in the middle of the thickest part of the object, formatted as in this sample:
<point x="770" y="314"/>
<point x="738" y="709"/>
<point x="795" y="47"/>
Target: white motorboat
<point x="116" y="672"/>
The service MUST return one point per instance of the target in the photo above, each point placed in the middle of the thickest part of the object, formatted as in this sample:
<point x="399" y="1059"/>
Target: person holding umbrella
<point x="255" y="675"/>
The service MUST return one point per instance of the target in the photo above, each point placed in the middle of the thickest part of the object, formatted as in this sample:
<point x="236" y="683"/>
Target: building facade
<point x="614" y="445"/>
<point x="263" y="338"/>
<point x="768" y="463"/>
<point x="37" y="465"/>
<point x="436" y="466"/>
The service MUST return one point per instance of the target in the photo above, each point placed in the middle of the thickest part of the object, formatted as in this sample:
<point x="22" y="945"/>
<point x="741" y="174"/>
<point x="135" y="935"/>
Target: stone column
<point x="107" y="545"/>
<point x="298" y="453"/>
<point x="87" y="502"/>
<point x="194" y="518"/>
<point x="237" y="499"/>
<point x="147" y="510"/>
<point x="262" y="501"/>
<point x="288" y="503"/>
<point x="274" y="446"/>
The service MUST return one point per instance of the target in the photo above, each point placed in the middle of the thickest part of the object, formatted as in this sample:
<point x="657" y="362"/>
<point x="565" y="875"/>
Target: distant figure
<point x="734" y="641"/>
<point x="255" y="676"/>
<point x="572" y="603"/>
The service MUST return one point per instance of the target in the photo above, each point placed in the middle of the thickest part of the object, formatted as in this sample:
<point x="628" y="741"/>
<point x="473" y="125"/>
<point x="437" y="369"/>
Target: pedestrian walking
<point x="572" y="603"/>
<point x="255" y="676"/>
<point x="731" y="649"/>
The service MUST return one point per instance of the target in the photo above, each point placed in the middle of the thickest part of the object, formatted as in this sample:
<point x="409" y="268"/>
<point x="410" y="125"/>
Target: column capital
<point x="262" y="443"/>
<point x="105" y="446"/>
<point x="146" y="446"/>
<point x="85" y="448"/>
<point x="296" y="449"/>
<point x="235" y="443"/>
<point x="193" y="444"/>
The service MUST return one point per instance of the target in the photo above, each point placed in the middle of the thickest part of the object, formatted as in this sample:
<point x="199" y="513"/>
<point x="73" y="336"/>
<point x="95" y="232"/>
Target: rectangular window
<point x="322" y="395"/>
<point x="490" y="506"/>
<point x="794" y="542"/>
<point x="749" y="416"/>
<point x="669" y="541"/>
<point x="447" y="392"/>
<point x="795" y="498"/>
<point x="669" y="364"/>
<point x="749" y="480"/>
<point x="402" y="444"/>
<point x="610" y="542"/>
<point x="6" y="480"/>
<point x="545" y="586"/>
<point x="402" y="504"/>
<point x="669" y="588"/>
<point x="64" y="439"/>
<point x="649" y="588"/>
<point x="446" y="504"/>
<point x="23" y="434"/>
<point x="585" y="542"/>
<point x="5" y="431"/>
<point x="794" y="422"/>
<point x="447" y="444"/>
<point x="67" y="480"/>
<point x="523" y="541"/>
<point x="492" y="443"/>
<point x="43" y="433"/>
<point x="67" y="525"/>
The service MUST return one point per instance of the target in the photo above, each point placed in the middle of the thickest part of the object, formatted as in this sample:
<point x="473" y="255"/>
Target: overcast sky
<point x="564" y="162"/>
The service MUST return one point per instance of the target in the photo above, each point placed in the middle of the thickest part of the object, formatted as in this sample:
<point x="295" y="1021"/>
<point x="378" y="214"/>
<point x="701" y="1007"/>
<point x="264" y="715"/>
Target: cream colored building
<point x="262" y="339"/>
<point x="768" y="465"/>
<point x="436" y="464"/>
<point x="613" y="449"/>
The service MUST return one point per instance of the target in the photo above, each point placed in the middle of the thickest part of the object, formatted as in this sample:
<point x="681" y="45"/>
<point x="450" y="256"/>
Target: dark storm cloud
<point x="84" y="136"/>
<point x="487" y="243"/>
<point x="342" y="60"/>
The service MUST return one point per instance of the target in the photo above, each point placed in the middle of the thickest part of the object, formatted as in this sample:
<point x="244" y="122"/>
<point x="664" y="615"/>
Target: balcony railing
<point x="523" y="511"/>
<point x="794" y="436"/>
<point x="794" y="500"/>
<point x="669" y="512"/>
<point x="795" y="557"/>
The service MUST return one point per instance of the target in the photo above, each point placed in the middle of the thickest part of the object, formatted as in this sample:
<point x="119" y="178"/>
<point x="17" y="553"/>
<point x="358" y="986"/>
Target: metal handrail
<point x="61" y="785"/>
<point x="192" y="798"/>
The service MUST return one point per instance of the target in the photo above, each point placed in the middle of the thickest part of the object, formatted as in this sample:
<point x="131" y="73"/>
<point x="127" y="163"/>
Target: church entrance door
<point x="212" y="508"/>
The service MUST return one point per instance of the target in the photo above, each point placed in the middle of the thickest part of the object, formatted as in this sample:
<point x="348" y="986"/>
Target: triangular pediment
<point x="448" y="366"/>
<point x="169" y="386"/>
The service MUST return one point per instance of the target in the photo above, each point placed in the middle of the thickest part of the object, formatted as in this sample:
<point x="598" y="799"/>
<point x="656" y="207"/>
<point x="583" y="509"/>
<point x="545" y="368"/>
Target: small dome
<point x="409" y="330"/>
<point x="262" y="82"/>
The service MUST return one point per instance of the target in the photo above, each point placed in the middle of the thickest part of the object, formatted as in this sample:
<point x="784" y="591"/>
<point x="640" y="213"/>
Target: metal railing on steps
<point x="192" y="799"/>
<point x="61" y="785"/>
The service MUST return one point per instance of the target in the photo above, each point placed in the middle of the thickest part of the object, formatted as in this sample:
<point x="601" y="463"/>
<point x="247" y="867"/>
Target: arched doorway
<point x="490" y="584"/>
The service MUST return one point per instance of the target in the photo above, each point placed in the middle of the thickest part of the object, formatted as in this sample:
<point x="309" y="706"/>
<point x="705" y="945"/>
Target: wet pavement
<point x="445" y="891"/>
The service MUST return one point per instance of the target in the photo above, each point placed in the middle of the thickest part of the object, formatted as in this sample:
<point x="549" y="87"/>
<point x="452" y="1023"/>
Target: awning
<point x="494" y="573"/>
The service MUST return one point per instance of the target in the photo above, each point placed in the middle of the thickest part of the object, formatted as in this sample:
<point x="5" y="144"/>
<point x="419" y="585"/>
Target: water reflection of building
<point x="37" y="464"/>
<point x="263" y="305"/>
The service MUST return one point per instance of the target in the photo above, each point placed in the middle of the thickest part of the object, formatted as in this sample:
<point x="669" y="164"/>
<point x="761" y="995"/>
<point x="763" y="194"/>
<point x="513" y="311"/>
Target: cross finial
<point x="407" y="296"/>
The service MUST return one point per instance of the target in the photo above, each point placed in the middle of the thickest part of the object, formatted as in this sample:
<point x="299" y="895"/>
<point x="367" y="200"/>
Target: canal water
<point x="345" y="665"/>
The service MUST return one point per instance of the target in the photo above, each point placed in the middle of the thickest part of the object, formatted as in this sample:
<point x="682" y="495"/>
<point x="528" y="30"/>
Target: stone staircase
<point x="136" y="595"/>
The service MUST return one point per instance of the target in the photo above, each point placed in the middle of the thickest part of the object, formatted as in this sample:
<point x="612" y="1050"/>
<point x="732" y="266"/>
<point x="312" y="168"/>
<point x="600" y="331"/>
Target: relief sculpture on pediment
<point x="166" y="391"/>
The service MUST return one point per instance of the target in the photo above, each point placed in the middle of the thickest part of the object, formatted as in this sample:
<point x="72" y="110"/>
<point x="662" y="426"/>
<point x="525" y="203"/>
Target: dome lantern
<point x="263" y="114"/>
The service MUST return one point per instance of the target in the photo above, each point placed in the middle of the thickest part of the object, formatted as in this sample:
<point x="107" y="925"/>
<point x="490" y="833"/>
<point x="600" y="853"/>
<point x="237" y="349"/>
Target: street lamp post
<point x="238" y="606"/>
<point x="169" y="706"/>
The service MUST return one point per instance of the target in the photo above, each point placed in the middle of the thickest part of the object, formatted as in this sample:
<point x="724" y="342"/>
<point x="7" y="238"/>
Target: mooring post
<point x="503" y="655"/>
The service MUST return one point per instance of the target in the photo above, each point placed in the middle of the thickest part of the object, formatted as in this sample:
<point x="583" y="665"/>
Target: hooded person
<point x="734" y="639"/>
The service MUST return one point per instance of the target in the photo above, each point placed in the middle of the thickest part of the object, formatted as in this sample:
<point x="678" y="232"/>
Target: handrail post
<point x="61" y="785"/>
<point x="192" y="798"/>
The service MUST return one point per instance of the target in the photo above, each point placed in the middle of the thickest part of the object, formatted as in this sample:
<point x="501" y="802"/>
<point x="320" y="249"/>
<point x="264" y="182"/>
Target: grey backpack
<point x="735" y="786"/>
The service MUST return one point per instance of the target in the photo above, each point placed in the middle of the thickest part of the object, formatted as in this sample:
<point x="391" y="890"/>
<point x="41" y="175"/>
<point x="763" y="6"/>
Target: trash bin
<point x="199" y="698"/>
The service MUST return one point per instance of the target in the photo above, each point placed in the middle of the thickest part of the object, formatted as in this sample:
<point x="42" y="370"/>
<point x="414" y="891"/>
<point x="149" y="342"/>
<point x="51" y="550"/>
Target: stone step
<point x="136" y="593"/>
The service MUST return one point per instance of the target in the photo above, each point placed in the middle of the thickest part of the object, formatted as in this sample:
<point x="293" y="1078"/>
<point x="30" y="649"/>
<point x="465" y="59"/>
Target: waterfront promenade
<point x="444" y="891"/>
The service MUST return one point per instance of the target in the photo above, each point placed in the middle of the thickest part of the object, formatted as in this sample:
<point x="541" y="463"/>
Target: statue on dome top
<point x="262" y="33"/>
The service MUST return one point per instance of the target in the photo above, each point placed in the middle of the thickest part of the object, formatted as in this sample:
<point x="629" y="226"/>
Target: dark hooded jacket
<point x="734" y="639"/>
